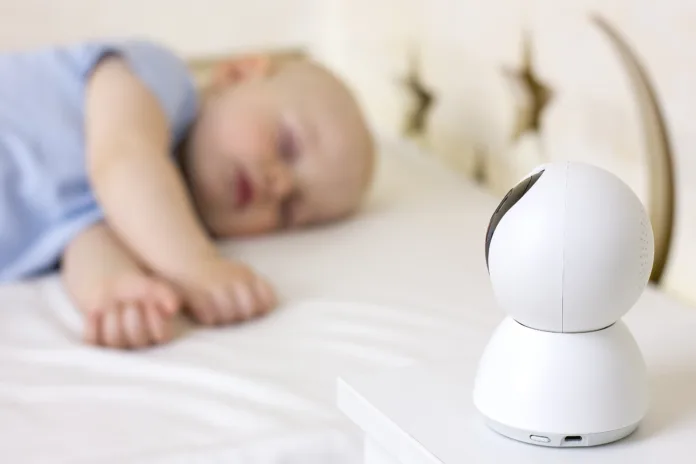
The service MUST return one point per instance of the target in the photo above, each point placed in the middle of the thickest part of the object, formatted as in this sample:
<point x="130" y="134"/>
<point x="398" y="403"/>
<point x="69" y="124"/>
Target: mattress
<point x="402" y="282"/>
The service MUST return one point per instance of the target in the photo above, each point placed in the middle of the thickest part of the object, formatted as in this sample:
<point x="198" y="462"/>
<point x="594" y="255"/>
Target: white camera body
<point x="569" y="252"/>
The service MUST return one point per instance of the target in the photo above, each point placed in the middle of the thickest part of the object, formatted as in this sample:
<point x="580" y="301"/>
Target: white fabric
<point x="402" y="282"/>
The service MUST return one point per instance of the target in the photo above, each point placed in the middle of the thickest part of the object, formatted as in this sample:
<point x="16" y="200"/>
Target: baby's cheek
<point x="252" y="141"/>
<point x="254" y="221"/>
<point x="216" y="195"/>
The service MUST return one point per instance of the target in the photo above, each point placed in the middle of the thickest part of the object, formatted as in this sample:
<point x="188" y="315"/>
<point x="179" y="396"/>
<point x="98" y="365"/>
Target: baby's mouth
<point x="244" y="190"/>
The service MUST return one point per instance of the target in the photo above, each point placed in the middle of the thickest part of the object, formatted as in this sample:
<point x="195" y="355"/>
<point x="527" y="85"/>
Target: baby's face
<point x="277" y="147"/>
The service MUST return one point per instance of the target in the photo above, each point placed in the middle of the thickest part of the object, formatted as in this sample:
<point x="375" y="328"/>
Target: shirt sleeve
<point x="161" y="71"/>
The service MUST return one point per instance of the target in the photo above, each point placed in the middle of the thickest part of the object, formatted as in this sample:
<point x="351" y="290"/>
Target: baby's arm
<point x="145" y="202"/>
<point x="137" y="185"/>
<point x="123" y="306"/>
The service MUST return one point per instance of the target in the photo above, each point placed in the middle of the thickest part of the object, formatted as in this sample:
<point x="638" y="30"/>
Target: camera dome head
<point x="569" y="248"/>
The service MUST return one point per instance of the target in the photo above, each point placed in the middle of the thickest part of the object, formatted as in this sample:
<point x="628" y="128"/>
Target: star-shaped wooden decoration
<point x="416" y="122"/>
<point x="479" y="169"/>
<point x="541" y="95"/>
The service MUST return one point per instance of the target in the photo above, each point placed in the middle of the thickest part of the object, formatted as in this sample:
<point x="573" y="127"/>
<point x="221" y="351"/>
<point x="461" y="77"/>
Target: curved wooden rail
<point x="661" y="179"/>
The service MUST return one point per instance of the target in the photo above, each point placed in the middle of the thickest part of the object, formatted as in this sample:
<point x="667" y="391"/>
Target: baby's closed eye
<point x="287" y="148"/>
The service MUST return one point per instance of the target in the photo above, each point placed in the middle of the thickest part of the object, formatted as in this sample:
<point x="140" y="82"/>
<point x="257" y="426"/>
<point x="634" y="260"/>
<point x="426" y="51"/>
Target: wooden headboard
<point x="492" y="88"/>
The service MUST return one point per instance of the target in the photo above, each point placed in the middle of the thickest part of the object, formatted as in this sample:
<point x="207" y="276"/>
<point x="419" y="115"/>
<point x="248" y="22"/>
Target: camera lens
<point x="508" y="201"/>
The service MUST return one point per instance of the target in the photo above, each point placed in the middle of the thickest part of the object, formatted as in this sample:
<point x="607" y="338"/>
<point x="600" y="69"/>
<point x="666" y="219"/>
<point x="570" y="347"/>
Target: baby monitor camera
<point x="569" y="251"/>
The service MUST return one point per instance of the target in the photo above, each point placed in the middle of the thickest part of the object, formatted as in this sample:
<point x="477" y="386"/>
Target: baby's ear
<point x="240" y="69"/>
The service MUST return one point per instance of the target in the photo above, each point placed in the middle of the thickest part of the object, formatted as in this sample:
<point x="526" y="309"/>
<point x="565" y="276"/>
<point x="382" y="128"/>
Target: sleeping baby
<point x="116" y="169"/>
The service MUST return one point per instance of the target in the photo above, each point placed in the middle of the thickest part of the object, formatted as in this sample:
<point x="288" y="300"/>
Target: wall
<point x="194" y="28"/>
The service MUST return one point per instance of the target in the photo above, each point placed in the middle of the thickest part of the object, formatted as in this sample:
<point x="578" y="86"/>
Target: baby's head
<point x="279" y="143"/>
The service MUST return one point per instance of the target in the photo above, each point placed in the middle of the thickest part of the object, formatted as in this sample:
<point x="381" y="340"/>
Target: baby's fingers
<point x="246" y="302"/>
<point x="93" y="322"/>
<point x="254" y="298"/>
<point x="265" y="295"/>
<point x="202" y="308"/>
<point x="155" y="322"/>
<point x="135" y="332"/>
<point x="166" y="299"/>
<point x="111" y="330"/>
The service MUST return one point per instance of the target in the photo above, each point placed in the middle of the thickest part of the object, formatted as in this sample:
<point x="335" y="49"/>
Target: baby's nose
<point x="279" y="182"/>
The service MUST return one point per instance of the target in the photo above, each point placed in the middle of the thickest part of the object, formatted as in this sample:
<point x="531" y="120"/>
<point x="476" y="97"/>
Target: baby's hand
<point x="222" y="292"/>
<point x="133" y="311"/>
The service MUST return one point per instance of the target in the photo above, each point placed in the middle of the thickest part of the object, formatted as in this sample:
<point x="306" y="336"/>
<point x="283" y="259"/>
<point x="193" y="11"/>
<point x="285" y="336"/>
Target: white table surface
<point x="424" y="414"/>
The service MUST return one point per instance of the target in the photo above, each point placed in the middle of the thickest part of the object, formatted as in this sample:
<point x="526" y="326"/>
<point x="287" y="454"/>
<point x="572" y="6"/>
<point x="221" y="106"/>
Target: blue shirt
<point x="45" y="195"/>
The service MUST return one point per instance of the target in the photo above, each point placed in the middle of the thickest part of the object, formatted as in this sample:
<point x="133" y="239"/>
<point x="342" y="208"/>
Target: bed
<point x="457" y="122"/>
<point x="262" y="392"/>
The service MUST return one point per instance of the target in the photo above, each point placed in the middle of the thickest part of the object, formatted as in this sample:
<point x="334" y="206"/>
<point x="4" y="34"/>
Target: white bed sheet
<point x="403" y="282"/>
